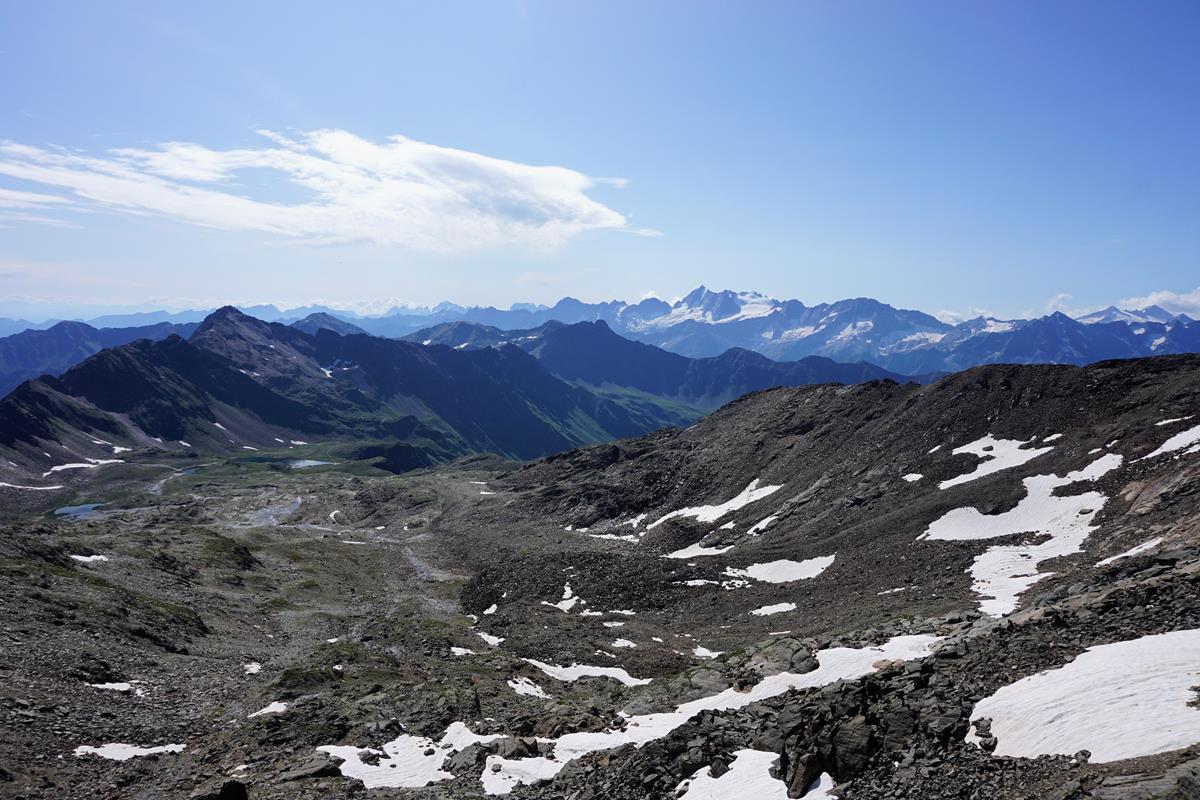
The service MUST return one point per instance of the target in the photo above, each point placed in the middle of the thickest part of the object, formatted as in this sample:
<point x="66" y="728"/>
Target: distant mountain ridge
<point x="707" y="323"/>
<point x="593" y="354"/>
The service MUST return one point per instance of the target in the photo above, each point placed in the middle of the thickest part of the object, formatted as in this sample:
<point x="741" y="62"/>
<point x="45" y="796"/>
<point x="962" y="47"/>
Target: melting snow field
<point x="523" y="686"/>
<point x="124" y="752"/>
<point x="784" y="570"/>
<point x="569" y="600"/>
<point x="92" y="463"/>
<point x="1119" y="701"/>
<point x="749" y="495"/>
<point x="1133" y="551"/>
<point x="1002" y="572"/>
<point x="1177" y="442"/>
<point x="749" y="776"/>
<point x="834" y="664"/>
<point x="999" y="454"/>
<point x="406" y="761"/>
<point x="697" y="550"/>
<point x="777" y="608"/>
<point x="577" y="671"/>
<point x="276" y="707"/>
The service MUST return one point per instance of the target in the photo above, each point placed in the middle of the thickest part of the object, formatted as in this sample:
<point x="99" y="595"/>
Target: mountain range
<point x="242" y="383"/>
<point x="707" y="323"/>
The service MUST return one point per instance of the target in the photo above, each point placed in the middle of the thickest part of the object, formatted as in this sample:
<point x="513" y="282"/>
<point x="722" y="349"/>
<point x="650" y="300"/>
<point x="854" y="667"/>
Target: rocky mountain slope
<point x="983" y="587"/>
<point x="32" y="353"/>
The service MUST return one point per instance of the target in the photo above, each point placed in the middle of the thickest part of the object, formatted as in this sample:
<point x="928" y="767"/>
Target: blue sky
<point x="1008" y="156"/>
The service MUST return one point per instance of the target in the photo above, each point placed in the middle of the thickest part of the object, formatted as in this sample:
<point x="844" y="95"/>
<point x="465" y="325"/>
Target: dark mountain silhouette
<point x="52" y="351"/>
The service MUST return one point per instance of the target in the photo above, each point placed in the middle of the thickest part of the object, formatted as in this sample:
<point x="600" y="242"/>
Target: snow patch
<point x="577" y="671"/>
<point x="1003" y="572"/>
<point x="1133" y="551"/>
<point x="123" y="752"/>
<point x="406" y="761"/>
<point x="777" y="608"/>
<point x="1179" y="441"/>
<point x="748" y="776"/>
<point x="750" y="494"/>
<point x="999" y="454"/>
<point x="783" y="570"/>
<point x="833" y="664"/>
<point x="524" y="686"/>
<point x="698" y="550"/>
<point x="1119" y="701"/>
<point x="276" y="707"/>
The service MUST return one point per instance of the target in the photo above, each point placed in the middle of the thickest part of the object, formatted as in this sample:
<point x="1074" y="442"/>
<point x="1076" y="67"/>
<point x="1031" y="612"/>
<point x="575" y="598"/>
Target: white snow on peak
<point x="913" y="477"/>
<point x="462" y="651"/>
<point x="784" y="570"/>
<point x="1173" y="420"/>
<point x="748" y="776"/>
<point x="777" y="608"/>
<point x="123" y="752"/>
<point x="852" y="331"/>
<point x="89" y="559"/>
<point x="524" y="686"/>
<point x="622" y="643"/>
<point x="577" y="671"/>
<point x="1179" y="441"/>
<point x="704" y="652"/>
<point x="1119" y="701"/>
<point x="998" y="454"/>
<point x="492" y="609"/>
<point x="1133" y="551"/>
<point x="30" y="488"/>
<point x="1003" y="572"/>
<point x="697" y="550"/>
<point x="713" y="513"/>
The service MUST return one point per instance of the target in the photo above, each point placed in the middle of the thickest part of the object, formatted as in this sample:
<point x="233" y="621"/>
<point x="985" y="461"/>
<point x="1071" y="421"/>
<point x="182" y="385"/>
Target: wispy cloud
<point x="398" y="192"/>
<point x="1175" y="302"/>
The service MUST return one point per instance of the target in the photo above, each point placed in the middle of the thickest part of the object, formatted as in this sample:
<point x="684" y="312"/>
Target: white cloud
<point x="398" y="192"/>
<point x="1175" y="302"/>
<point x="11" y="198"/>
<point x="1060" y="302"/>
<point x="952" y="317"/>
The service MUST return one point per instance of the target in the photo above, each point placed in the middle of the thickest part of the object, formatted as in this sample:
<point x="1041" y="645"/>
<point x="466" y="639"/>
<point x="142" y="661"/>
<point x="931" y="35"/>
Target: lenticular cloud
<point x="396" y="192"/>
